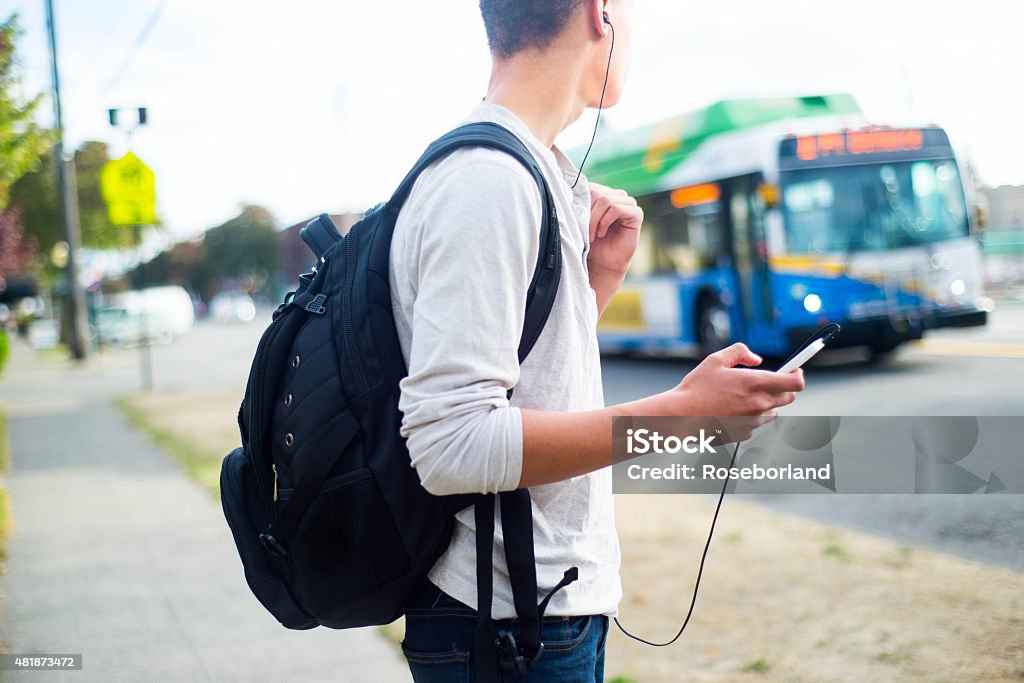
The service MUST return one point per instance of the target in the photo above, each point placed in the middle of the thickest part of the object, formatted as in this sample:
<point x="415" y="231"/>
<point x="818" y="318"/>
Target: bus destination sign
<point x="848" y="146"/>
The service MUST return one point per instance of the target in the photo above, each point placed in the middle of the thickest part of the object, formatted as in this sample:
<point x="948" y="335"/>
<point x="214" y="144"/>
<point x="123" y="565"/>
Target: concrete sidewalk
<point x="116" y="555"/>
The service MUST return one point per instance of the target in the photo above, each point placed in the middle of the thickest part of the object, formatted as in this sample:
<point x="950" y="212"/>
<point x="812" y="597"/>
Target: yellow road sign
<point x="129" y="189"/>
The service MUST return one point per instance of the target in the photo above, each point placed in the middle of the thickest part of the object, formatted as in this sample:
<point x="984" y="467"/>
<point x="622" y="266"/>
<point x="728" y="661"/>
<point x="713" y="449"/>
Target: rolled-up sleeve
<point x="478" y="226"/>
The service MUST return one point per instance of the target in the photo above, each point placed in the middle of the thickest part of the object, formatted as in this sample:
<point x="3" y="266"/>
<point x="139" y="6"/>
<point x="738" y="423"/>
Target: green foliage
<point x="245" y="246"/>
<point x="837" y="551"/>
<point x="97" y="232"/>
<point x="245" y="250"/>
<point x="36" y="195"/>
<point x="198" y="463"/>
<point x="758" y="666"/>
<point x="5" y="462"/>
<point x="21" y="140"/>
<point x="891" y="657"/>
<point x="5" y="352"/>
<point x="28" y="173"/>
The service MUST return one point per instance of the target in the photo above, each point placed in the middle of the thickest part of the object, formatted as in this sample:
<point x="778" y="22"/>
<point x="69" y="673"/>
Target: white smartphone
<point x="802" y="357"/>
<point x="817" y="343"/>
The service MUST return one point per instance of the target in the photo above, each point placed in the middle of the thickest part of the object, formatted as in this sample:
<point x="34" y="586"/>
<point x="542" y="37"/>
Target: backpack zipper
<point x="351" y="349"/>
<point x="254" y="415"/>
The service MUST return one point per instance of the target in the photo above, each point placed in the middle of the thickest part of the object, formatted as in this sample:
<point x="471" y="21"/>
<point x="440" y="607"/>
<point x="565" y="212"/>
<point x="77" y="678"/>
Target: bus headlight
<point x="812" y="303"/>
<point x="957" y="287"/>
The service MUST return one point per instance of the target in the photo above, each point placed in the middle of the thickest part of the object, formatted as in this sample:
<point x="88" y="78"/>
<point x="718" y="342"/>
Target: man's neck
<point x="546" y="98"/>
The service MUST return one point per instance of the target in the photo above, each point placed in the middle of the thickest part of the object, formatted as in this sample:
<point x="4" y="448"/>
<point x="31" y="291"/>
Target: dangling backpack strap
<point x="483" y="638"/>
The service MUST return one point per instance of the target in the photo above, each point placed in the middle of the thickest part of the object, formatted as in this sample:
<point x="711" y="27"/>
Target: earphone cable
<point x="600" y="106"/>
<point x="700" y="571"/>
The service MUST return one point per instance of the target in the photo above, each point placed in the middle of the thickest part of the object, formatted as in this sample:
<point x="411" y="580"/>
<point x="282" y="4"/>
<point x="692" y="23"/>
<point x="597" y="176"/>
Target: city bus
<point x="768" y="218"/>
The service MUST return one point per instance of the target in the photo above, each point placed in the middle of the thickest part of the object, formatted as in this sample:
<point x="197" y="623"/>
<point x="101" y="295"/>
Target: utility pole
<point x="69" y="201"/>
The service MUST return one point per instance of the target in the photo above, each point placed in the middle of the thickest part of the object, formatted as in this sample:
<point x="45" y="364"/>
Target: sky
<point x="313" y="106"/>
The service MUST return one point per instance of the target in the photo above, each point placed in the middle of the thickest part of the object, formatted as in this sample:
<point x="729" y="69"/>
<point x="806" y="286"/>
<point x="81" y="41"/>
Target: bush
<point x="5" y="350"/>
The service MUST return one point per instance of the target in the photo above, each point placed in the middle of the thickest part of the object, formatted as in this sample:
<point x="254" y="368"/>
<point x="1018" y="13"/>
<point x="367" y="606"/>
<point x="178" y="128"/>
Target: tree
<point x="36" y="195"/>
<point x="97" y="232"/>
<point x="185" y="264"/>
<point x="22" y="141"/>
<point x="16" y="250"/>
<point x="246" y="246"/>
<point x="242" y="253"/>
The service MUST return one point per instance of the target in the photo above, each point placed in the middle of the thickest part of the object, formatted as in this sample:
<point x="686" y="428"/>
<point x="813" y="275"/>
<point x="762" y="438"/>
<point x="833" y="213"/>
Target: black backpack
<point x="330" y="519"/>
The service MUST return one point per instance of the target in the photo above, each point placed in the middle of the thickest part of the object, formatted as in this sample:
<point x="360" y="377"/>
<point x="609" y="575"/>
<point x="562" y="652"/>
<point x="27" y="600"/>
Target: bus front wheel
<point x="713" y="329"/>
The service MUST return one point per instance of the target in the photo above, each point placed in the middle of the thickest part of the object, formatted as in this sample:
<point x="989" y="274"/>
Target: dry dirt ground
<point x="782" y="598"/>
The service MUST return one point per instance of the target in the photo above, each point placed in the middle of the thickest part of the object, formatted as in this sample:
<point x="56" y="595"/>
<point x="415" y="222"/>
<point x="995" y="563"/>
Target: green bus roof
<point x="635" y="160"/>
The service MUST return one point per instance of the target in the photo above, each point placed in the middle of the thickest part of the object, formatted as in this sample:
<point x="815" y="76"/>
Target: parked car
<point x="160" y="313"/>
<point x="230" y="307"/>
<point x="120" y="327"/>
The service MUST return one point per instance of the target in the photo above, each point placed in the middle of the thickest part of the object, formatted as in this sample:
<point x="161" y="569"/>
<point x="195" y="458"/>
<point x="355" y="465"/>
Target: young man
<point x="461" y="261"/>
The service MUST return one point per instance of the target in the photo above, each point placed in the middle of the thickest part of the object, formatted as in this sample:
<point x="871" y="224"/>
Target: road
<point x="976" y="371"/>
<point x="953" y="372"/>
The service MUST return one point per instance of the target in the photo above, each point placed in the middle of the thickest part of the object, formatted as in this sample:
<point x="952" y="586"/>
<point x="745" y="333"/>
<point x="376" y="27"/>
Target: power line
<point x="139" y="42"/>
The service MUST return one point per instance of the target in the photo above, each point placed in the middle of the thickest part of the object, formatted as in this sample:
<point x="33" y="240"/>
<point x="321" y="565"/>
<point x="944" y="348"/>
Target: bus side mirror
<point x="769" y="195"/>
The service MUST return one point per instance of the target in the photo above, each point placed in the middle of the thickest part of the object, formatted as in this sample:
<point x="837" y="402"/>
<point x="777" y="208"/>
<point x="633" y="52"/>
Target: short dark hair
<point x="515" y="25"/>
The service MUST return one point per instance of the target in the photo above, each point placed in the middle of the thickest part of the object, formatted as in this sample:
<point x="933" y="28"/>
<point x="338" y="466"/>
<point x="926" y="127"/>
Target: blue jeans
<point x="439" y="643"/>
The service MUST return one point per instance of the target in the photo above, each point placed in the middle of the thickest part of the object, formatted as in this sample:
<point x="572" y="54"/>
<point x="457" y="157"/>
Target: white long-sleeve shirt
<point x="463" y="253"/>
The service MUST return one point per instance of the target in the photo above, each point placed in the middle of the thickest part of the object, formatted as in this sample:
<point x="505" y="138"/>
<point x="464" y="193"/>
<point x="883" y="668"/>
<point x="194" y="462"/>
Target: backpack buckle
<point x="511" y="658"/>
<point x="317" y="304"/>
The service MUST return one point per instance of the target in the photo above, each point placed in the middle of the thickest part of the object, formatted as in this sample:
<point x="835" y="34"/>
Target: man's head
<point x="560" y="27"/>
<point x="517" y="25"/>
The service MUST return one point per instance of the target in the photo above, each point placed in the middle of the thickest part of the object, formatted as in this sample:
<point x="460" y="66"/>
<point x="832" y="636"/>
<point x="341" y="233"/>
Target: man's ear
<point x="597" y="16"/>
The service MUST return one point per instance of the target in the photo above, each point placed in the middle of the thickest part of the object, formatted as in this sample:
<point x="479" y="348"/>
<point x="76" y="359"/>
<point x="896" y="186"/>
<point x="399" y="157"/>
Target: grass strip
<point x="198" y="463"/>
<point x="5" y="462"/>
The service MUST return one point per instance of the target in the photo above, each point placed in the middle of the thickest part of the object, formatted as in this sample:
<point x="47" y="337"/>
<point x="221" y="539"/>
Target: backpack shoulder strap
<point x="517" y="506"/>
<point x="544" y="284"/>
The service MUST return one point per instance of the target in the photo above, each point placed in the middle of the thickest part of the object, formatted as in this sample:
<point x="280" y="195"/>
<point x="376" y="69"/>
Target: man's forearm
<point x="558" y="446"/>
<point x="605" y="283"/>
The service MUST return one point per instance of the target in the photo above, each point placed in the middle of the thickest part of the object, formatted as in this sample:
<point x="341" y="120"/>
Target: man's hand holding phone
<point x="724" y="384"/>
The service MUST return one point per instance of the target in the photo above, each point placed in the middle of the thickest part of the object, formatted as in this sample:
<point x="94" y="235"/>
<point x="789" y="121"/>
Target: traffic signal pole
<point x="69" y="202"/>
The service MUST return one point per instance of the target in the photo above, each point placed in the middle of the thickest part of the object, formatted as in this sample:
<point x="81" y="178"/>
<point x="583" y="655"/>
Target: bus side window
<point x="645" y="260"/>
<point x="677" y="240"/>
<point x="704" y="232"/>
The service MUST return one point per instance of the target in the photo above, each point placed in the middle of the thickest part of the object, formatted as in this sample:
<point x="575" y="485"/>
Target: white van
<point x="168" y="314"/>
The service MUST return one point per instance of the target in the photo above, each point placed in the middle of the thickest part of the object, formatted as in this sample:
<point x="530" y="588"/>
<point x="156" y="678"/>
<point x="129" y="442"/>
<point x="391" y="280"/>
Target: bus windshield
<point x="873" y="207"/>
